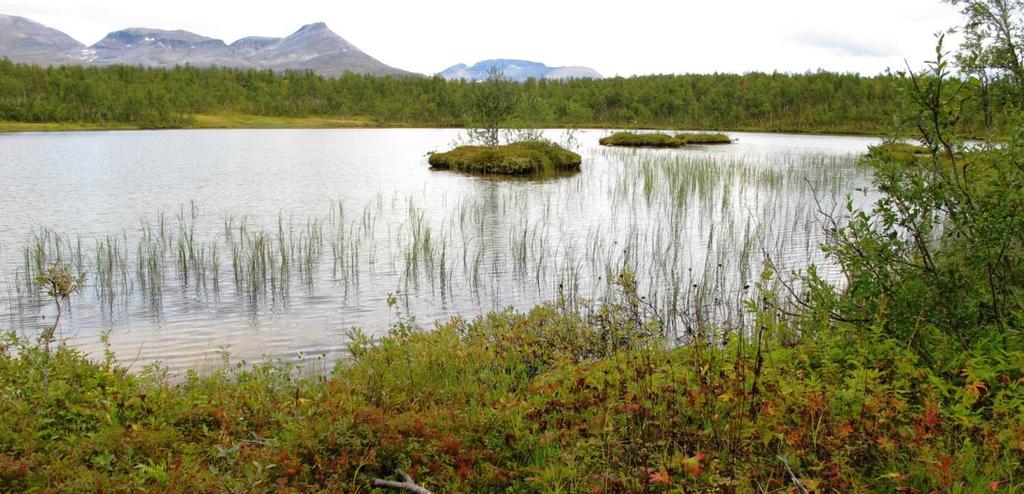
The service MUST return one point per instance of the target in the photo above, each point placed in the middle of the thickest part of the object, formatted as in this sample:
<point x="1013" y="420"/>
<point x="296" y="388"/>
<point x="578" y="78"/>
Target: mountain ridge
<point x="312" y="47"/>
<point x="28" y="41"/>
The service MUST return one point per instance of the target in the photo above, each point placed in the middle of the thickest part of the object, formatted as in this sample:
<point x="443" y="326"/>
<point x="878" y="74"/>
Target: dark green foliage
<point x="650" y="139"/>
<point x="518" y="158"/>
<point x="939" y="262"/>
<point x="813" y="102"/>
<point x="491" y="103"/>
<point x="992" y="49"/>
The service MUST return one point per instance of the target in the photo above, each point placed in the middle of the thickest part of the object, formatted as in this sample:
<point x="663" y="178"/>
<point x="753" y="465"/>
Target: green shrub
<point x="519" y="158"/>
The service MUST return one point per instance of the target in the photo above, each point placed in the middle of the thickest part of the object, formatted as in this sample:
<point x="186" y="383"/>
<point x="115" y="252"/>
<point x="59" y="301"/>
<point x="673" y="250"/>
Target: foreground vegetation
<point x="517" y="158"/>
<point x="544" y="401"/>
<point x="187" y="97"/>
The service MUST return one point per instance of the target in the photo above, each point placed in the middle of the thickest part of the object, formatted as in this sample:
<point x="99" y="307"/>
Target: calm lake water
<point x="276" y="242"/>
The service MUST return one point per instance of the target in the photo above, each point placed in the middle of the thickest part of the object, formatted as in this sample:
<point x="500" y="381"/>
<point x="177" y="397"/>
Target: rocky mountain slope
<point x="158" y="48"/>
<point x="313" y="47"/>
<point x="26" y="41"/>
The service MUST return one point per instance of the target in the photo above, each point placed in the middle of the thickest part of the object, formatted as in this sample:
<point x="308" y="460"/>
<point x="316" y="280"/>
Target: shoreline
<point x="257" y="122"/>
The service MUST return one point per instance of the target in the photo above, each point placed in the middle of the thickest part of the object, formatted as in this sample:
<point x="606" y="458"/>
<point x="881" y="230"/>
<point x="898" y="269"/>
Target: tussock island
<point x="518" y="158"/>
<point x="663" y="140"/>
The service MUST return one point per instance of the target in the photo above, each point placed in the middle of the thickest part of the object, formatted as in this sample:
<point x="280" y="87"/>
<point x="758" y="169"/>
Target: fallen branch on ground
<point x="407" y="485"/>
<point x="792" y="476"/>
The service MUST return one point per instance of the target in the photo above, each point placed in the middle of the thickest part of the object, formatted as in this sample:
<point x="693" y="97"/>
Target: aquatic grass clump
<point x="902" y="153"/>
<point x="653" y="140"/>
<point x="704" y="138"/>
<point x="662" y="140"/>
<point x="518" y="158"/>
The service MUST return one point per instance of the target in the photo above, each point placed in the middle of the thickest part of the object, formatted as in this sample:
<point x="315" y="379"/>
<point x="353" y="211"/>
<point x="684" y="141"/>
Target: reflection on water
<point x="276" y="242"/>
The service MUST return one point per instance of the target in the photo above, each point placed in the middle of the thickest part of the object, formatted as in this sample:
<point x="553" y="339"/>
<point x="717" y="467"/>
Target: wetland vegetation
<point x="649" y="139"/>
<point x="518" y="158"/>
<point x="789" y="321"/>
<point x="704" y="138"/>
<point x="662" y="140"/>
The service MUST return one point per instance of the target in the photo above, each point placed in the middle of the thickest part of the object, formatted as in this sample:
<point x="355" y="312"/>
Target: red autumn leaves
<point x="693" y="465"/>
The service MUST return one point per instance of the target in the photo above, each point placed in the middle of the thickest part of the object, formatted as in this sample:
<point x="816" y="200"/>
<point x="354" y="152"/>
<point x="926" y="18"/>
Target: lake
<point x="202" y="244"/>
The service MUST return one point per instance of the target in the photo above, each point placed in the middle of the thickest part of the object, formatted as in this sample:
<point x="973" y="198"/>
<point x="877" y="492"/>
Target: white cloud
<point x="625" y="38"/>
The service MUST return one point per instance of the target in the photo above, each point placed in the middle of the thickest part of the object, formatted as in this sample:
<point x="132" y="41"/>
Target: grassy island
<point x="704" y="138"/>
<point x="653" y="140"/>
<point x="662" y="140"/>
<point x="518" y="158"/>
<point x="899" y="152"/>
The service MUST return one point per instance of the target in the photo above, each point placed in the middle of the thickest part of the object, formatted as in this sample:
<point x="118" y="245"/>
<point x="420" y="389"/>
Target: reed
<point x="693" y="226"/>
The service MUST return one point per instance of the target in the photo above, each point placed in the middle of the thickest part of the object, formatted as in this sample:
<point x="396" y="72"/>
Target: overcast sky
<point x="616" y="38"/>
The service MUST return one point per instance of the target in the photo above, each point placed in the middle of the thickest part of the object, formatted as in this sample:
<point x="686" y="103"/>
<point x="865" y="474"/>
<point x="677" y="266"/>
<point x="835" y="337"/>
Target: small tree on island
<point x="492" y="102"/>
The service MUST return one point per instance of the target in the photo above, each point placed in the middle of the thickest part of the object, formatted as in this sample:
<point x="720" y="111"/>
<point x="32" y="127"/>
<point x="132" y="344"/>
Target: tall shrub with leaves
<point x="939" y="262"/>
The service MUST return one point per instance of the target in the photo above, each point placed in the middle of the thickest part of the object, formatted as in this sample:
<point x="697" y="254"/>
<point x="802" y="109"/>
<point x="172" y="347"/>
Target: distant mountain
<point x="247" y="47"/>
<point x="517" y="70"/>
<point x="26" y="41"/>
<point x="313" y="47"/>
<point x="158" y="48"/>
<point x="573" y="72"/>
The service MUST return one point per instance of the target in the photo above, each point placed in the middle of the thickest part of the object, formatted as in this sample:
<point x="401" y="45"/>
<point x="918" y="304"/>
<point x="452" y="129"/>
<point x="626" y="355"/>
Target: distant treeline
<point x="155" y="98"/>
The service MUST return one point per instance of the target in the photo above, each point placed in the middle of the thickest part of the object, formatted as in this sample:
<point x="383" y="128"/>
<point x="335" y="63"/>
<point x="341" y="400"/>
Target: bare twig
<point x="792" y="476"/>
<point x="406" y="485"/>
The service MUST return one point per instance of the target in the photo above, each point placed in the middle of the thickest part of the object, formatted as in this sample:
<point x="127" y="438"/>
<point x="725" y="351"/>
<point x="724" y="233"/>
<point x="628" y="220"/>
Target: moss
<point x="704" y="138"/>
<point x="655" y="140"/>
<point x="520" y="158"/>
